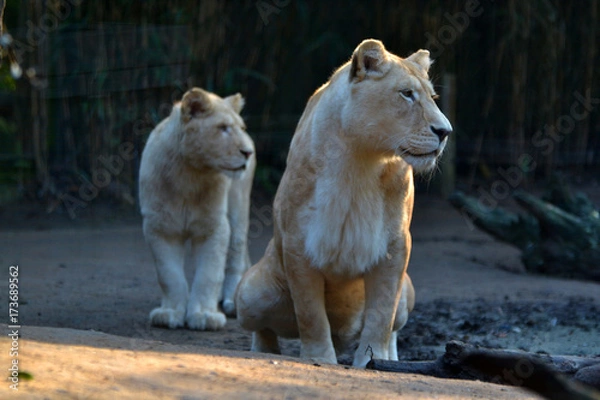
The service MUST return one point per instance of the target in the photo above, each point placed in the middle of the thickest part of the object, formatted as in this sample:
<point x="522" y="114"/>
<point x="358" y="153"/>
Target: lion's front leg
<point x="307" y="287"/>
<point x="169" y="256"/>
<point x="209" y="258"/>
<point x="383" y="285"/>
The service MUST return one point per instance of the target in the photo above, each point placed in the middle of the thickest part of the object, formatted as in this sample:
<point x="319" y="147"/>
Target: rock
<point x="589" y="375"/>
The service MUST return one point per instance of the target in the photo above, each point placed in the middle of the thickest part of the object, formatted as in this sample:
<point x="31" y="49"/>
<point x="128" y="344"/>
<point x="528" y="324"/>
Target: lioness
<point x="195" y="181"/>
<point x="335" y="269"/>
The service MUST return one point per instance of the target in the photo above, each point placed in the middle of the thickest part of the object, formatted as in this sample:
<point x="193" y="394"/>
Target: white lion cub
<point x="195" y="181"/>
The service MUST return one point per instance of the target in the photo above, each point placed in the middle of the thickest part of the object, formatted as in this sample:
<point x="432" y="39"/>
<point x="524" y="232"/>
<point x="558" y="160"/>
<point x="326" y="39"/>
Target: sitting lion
<point x="195" y="180"/>
<point x="335" y="270"/>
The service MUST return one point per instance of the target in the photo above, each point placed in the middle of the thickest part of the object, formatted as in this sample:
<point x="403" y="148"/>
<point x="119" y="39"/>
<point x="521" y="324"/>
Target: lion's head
<point x="391" y="105"/>
<point x="213" y="132"/>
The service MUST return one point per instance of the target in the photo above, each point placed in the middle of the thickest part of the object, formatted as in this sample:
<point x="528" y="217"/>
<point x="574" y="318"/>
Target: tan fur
<point x="335" y="270"/>
<point x="195" y="181"/>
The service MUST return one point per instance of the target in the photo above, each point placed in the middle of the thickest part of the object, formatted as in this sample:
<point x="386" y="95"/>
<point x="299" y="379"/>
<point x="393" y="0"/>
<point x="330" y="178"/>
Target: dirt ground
<point x="87" y="286"/>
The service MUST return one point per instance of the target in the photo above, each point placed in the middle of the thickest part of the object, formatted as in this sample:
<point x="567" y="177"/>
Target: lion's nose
<point x="440" y="133"/>
<point x="246" y="153"/>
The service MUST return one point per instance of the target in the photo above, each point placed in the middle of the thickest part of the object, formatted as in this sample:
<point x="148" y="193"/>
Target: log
<point x="516" y="229"/>
<point x="452" y="363"/>
<point x="549" y="375"/>
<point x="560" y="194"/>
<point x="530" y="373"/>
<point x="558" y="235"/>
<point x="556" y="223"/>
<point x="435" y="368"/>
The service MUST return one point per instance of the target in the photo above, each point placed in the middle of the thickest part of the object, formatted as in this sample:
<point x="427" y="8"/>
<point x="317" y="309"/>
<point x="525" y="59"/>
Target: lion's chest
<point x="346" y="231"/>
<point x="194" y="207"/>
<point x="201" y="217"/>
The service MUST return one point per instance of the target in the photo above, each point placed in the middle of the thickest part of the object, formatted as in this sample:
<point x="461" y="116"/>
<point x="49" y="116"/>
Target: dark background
<point x="100" y="75"/>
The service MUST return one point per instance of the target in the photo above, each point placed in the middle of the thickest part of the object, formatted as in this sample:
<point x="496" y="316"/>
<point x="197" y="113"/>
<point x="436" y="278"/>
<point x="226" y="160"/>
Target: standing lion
<point x="195" y="181"/>
<point x="335" y="270"/>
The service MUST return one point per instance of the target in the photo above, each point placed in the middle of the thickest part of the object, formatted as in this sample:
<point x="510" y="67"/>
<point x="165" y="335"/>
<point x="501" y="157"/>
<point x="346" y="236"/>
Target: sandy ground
<point x="109" y="367"/>
<point x="86" y="290"/>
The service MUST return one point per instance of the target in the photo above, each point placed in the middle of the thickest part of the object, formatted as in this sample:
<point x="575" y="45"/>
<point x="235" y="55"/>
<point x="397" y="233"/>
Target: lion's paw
<point x="206" y="320"/>
<point x="229" y="308"/>
<point x="319" y="354"/>
<point x="323" y="360"/>
<point x="167" y="317"/>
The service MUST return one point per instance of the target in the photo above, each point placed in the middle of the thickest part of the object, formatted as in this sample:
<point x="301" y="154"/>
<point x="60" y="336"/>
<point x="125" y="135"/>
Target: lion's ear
<point x="195" y="103"/>
<point x="370" y="59"/>
<point x="421" y="58"/>
<point x="236" y="102"/>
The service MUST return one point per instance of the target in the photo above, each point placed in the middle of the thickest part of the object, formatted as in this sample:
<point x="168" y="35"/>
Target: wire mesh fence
<point x="99" y="75"/>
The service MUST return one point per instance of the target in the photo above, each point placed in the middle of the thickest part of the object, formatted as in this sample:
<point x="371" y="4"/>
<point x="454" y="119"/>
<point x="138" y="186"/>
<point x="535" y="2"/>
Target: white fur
<point x="345" y="232"/>
<point x="186" y="197"/>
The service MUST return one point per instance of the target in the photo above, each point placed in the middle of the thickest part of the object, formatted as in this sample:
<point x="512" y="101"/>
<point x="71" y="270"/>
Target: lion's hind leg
<point x="238" y="259"/>
<point x="264" y="306"/>
<point x="265" y="341"/>
<point x="393" y="352"/>
<point x="405" y="306"/>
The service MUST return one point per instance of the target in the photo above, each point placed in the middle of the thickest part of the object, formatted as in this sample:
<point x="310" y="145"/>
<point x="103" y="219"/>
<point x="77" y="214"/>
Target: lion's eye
<point x="224" y="128"/>
<point x="408" y="94"/>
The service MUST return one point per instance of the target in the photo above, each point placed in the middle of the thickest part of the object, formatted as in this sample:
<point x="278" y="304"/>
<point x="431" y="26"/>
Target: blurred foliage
<point x="7" y="136"/>
<point x="14" y="168"/>
<point x="109" y="71"/>
<point x="7" y="83"/>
